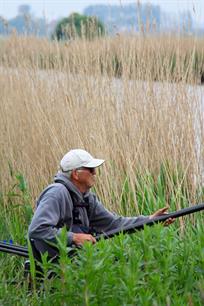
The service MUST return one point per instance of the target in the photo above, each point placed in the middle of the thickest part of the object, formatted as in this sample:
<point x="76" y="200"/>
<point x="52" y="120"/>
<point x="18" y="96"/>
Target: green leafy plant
<point x="77" y="25"/>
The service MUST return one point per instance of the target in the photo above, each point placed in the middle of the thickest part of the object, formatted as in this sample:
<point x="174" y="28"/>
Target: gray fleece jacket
<point x="54" y="211"/>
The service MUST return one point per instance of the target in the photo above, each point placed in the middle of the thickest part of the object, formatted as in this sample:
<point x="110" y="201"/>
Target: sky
<point x="54" y="9"/>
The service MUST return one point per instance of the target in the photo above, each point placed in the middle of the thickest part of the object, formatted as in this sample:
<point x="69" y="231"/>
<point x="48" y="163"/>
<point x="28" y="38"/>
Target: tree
<point x="77" y="25"/>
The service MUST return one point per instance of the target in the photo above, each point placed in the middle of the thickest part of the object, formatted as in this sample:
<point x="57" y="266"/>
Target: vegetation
<point x="151" y="58"/>
<point x="136" y="126"/>
<point x="77" y="25"/>
<point x="159" y="266"/>
<point x="61" y="95"/>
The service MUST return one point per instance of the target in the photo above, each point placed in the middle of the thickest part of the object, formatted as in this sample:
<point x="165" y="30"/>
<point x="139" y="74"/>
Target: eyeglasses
<point x="91" y="170"/>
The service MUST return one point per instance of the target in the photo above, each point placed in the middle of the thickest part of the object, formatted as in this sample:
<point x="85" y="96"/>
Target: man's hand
<point x="160" y="212"/>
<point x="79" y="239"/>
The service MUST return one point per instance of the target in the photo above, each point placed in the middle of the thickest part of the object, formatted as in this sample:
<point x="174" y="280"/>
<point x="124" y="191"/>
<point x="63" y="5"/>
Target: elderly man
<point x="69" y="202"/>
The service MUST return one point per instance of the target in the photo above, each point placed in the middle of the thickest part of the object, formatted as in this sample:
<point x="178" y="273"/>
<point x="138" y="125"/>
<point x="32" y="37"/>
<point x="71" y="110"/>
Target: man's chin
<point x="90" y="186"/>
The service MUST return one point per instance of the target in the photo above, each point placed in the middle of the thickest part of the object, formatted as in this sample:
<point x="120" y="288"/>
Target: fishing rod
<point x="23" y="251"/>
<point x="13" y="249"/>
<point x="149" y="222"/>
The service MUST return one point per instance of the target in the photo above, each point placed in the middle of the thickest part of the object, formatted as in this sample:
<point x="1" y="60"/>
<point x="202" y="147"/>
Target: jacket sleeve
<point x="104" y="220"/>
<point x="47" y="217"/>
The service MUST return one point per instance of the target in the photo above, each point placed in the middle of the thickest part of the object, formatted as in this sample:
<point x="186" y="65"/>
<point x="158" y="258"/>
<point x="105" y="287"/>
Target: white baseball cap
<point x="78" y="158"/>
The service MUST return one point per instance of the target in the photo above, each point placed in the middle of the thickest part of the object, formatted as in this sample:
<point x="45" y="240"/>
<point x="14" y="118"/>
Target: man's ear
<point x="74" y="175"/>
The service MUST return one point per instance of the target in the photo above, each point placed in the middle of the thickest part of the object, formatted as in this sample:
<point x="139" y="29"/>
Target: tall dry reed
<point x="102" y="96"/>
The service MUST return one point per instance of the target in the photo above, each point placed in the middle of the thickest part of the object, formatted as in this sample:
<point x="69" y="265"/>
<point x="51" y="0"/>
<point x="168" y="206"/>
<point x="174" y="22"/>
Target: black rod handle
<point x="13" y="246"/>
<point x="14" y="252"/>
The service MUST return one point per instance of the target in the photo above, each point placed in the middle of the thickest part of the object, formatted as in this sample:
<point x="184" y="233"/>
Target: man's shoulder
<point x="55" y="190"/>
<point x="55" y="194"/>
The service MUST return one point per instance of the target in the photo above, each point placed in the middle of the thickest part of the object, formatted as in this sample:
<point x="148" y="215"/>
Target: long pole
<point x="140" y="225"/>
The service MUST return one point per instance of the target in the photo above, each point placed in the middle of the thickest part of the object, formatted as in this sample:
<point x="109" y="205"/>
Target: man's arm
<point x="103" y="220"/>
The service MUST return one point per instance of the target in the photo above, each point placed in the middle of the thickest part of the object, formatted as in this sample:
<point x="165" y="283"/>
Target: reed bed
<point x="136" y="124"/>
<point x="155" y="58"/>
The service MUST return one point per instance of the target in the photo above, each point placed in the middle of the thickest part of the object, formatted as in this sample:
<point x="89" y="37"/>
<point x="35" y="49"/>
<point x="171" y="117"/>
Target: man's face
<point x="86" y="178"/>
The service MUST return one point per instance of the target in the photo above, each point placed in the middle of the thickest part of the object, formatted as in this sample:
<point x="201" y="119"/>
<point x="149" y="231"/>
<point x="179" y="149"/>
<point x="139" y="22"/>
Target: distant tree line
<point x="98" y="19"/>
<point x="127" y="17"/>
<point x="23" y="23"/>
<point x="139" y="17"/>
<point x="76" y="25"/>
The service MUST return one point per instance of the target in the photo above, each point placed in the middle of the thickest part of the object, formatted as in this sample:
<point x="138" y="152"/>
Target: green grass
<point x="156" y="266"/>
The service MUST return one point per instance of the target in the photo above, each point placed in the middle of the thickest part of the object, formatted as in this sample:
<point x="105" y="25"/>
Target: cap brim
<point x="95" y="163"/>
